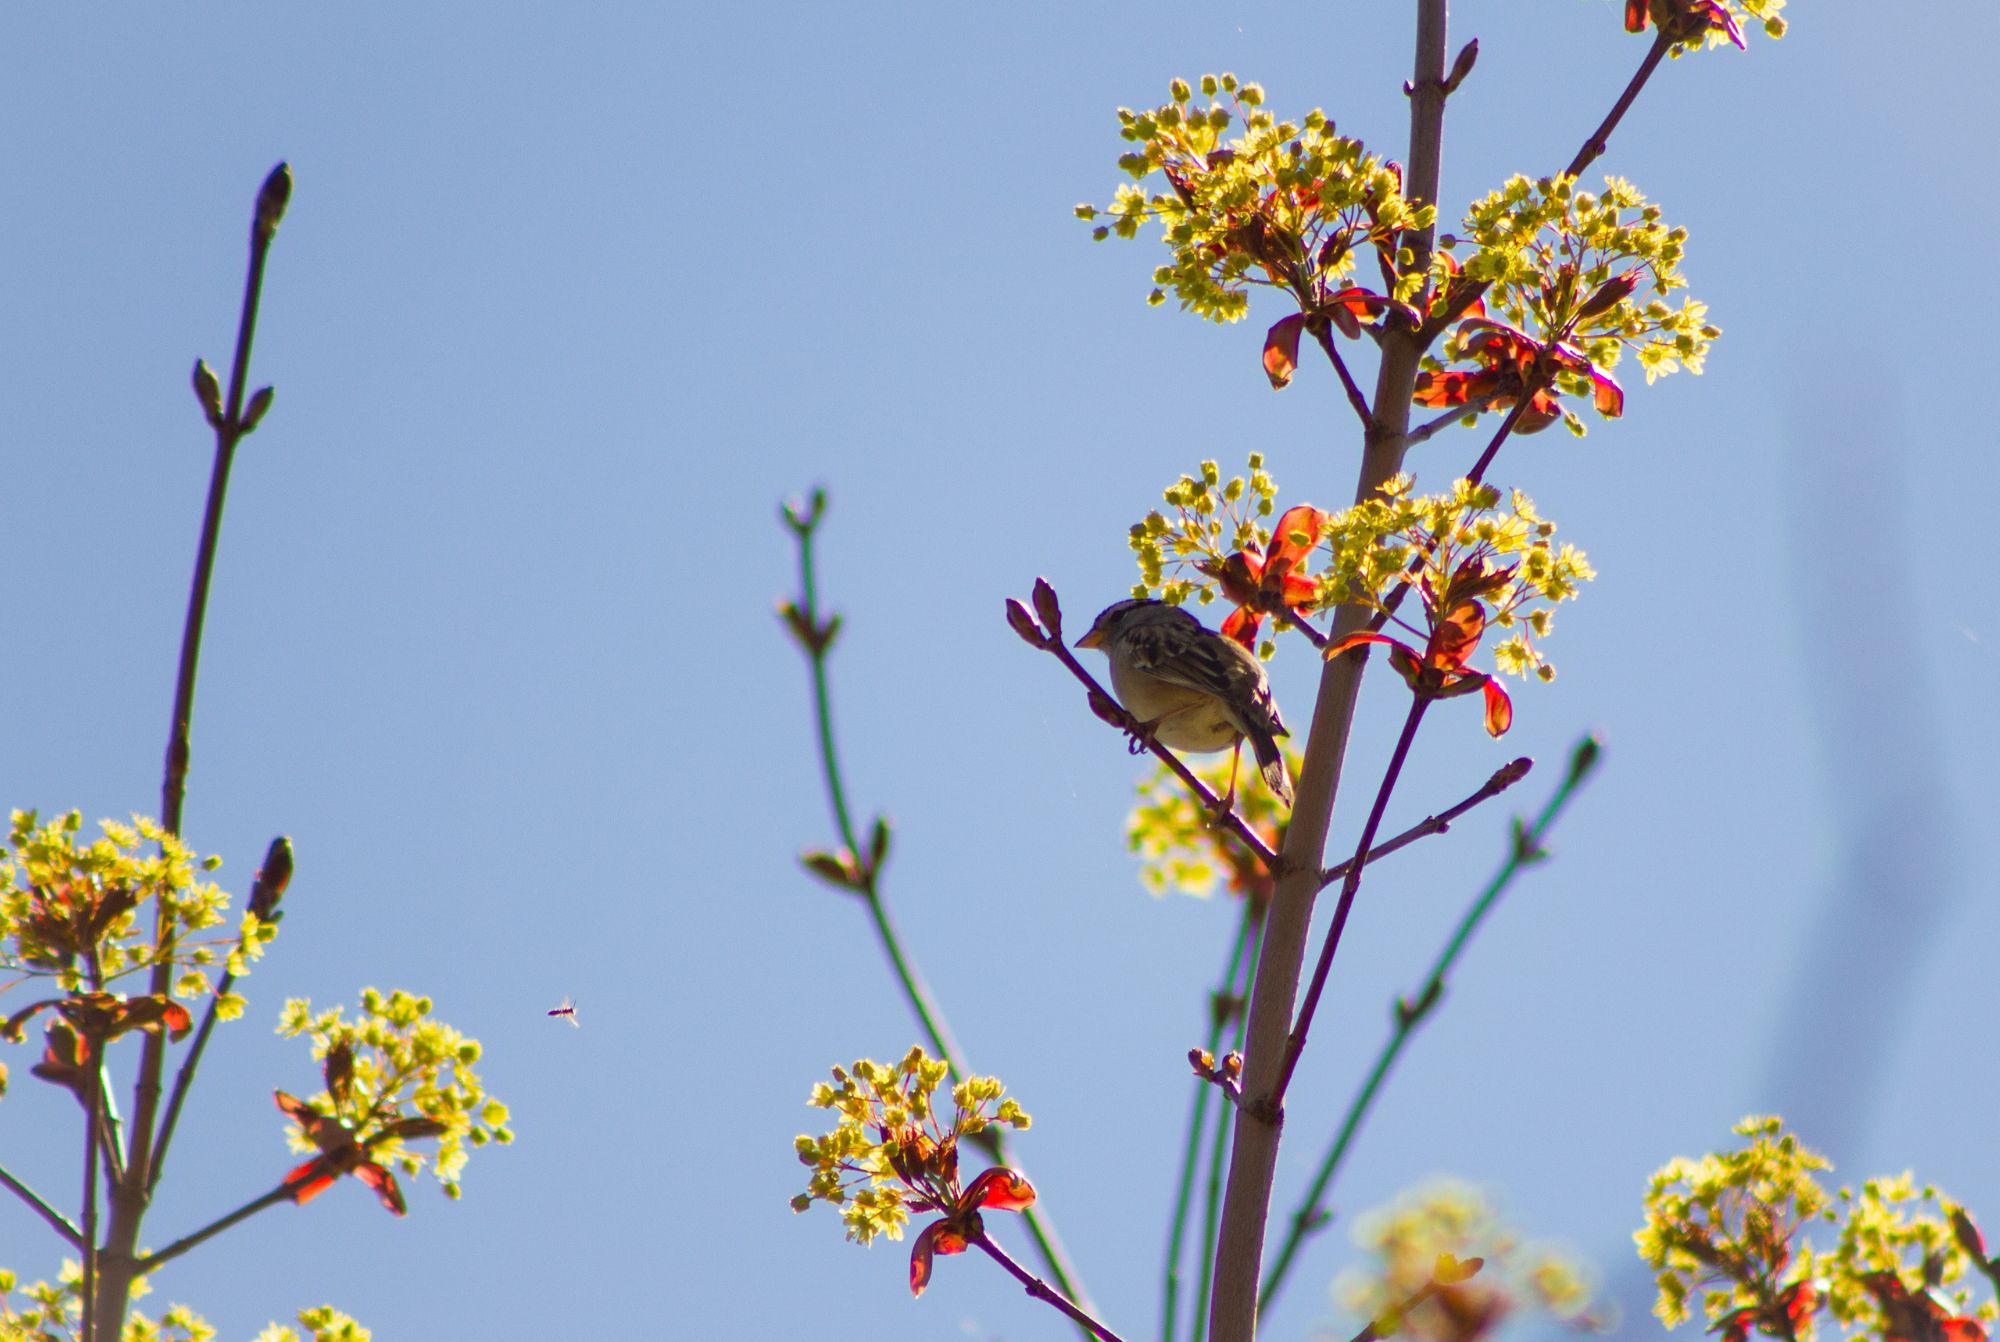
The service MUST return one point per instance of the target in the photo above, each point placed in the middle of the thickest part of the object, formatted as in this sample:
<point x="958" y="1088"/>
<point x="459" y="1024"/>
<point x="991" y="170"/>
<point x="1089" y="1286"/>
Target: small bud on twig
<point x="803" y="517"/>
<point x="1584" y="758"/>
<point x="1609" y="295"/>
<point x="208" y="391"/>
<point x="272" y="198"/>
<point x="1468" y="56"/>
<point x="259" y="403"/>
<point x="836" y="869"/>
<point x="878" y="844"/>
<point x="1024" y="624"/>
<point x="1101" y="705"/>
<point x="1048" y="608"/>
<point x="269" y="885"/>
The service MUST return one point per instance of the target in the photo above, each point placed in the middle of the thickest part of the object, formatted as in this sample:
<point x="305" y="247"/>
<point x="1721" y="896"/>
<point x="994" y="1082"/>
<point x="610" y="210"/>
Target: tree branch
<point x="816" y="638"/>
<point x="1412" y="1011"/>
<point x="1254" y="1150"/>
<point x="1041" y="1290"/>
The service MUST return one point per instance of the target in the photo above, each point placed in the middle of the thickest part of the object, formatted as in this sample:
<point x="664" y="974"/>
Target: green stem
<point x="929" y="1015"/>
<point x="1413" y="1011"/>
<point x="1229" y="989"/>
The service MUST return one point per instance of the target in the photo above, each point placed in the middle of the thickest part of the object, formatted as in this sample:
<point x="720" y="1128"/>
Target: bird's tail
<point x="1271" y="763"/>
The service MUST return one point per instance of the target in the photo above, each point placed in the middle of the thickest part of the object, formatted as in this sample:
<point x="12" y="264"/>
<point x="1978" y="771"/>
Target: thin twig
<point x="1423" y="433"/>
<point x="61" y="1224"/>
<point x="1593" y="147"/>
<point x="266" y="889"/>
<point x="1225" y="1004"/>
<point x="282" y="1193"/>
<point x="1503" y="778"/>
<point x="1051" y="642"/>
<point x="129" y="1198"/>
<point x="817" y="645"/>
<point x="1323" y="332"/>
<point x="1218" y="1157"/>
<point x="1295" y="1043"/>
<point x="1412" y="1011"/>
<point x="1041" y="1290"/>
<point x="1600" y="139"/>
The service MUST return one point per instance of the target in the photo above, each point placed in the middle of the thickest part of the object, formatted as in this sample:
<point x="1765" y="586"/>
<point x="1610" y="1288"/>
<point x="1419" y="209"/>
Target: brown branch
<point x="1503" y="778"/>
<point x="1323" y="332"/>
<point x="1254" y="1147"/>
<point x="1041" y="1290"/>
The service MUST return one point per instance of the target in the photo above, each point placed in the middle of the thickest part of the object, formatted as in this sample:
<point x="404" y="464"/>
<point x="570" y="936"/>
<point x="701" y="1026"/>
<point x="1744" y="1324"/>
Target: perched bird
<point x="1190" y="687"/>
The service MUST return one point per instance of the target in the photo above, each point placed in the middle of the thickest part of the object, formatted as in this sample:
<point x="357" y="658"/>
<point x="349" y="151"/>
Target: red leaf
<point x="1451" y="388"/>
<point x="1352" y="641"/>
<point x="1635" y="16"/>
<point x="309" y="1180"/>
<point x="1242" y="625"/>
<point x="1457" y="635"/>
<point x="1292" y="541"/>
<point x="1281" y="350"/>
<point x="384" y="1184"/>
<point x="1001" y="1189"/>
<point x="1499" y="708"/>
<point x="1606" y="395"/>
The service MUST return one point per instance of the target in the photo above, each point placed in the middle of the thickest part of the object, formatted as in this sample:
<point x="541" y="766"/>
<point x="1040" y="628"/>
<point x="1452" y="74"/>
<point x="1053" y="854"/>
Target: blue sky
<point x="568" y="298"/>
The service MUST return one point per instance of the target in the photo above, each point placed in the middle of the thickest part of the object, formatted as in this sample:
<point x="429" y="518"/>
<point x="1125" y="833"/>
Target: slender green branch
<point x="1041" y="1290"/>
<point x="1413" y="1011"/>
<point x="1225" y="1005"/>
<point x="1295" y="1044"/>
<point x="159" y="1257"/>
<point x="61" y="1224"/>
<point x="816" y="638"/>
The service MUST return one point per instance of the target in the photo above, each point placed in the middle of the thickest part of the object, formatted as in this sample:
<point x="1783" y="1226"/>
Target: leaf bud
<point x="1024" y="625"/>
<point x="260" y="401"/>
<point x="272" y="198"/>
<point x="1048" y="607"/>
<point x="1584" y="758"/>
<point x="1101" y="704"/>
<point x="208" y="391"/>
<point x="1468" y="56"/>
<point x="878" y="843"/>
<point x="269" y="885"/>
<point x="1609" y="295"/>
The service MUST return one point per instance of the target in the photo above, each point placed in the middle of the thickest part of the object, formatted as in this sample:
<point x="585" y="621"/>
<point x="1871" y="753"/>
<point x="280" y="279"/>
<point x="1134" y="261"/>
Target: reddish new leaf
<point x="1281" y="350"/>
<point x="1001" y="1189"/>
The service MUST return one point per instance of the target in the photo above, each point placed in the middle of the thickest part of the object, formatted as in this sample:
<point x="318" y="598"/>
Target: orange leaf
<point x="1499" y="708"/>
<point x="1281" y="350"/>
<point x="309" y="1180"/>
<point x="1457" y="635"/>
<point x="1001" y="1189"/>
<point x="1292" y="540"/>
<point x="1242" y="625"/>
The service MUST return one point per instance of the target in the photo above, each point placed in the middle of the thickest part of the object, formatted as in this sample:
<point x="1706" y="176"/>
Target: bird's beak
<point x="1093" y="639"/>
